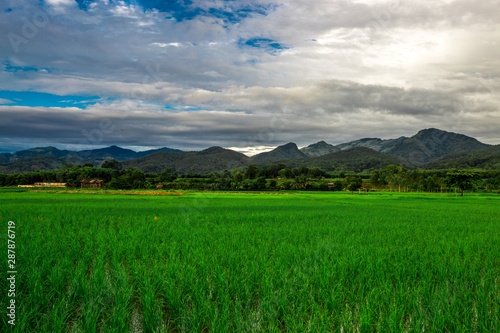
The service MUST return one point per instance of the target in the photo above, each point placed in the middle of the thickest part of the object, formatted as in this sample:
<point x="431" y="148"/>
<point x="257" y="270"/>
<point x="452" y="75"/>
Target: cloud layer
<point x="246" y="73"/>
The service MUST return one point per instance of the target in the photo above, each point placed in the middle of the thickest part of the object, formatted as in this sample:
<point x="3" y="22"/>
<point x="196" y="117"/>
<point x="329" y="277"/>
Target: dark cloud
<point x="332" y="111"/>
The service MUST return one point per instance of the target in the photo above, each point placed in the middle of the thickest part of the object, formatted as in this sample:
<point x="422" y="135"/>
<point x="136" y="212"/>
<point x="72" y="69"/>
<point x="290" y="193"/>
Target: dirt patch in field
<point x="115" y="192"/>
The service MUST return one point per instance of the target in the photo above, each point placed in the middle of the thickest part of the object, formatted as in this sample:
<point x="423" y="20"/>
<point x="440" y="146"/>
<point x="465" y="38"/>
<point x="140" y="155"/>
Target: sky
<point x="245" y="75"/>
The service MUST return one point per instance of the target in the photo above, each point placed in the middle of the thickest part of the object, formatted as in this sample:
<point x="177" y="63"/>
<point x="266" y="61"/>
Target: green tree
<point x="492" y="183"/>
<point x="461" y="179"/>
<point x="352" y="183"/>
<point x="133" y="178"/>
<point x="285" y="173"/>
<point x="337" y="185"/>
<point x="237" y="175"/>
<point x="377" y="178"/>
<point x="112" y="164"/>
<point x="167" y="176"/>
<point x="301" y="182"/>
<point x="300" y="171"/>
<point x="260" y="183"/>
<point x="251" y="171"/>
<point x="316" y="172"/>
<point x="431" y="183"/>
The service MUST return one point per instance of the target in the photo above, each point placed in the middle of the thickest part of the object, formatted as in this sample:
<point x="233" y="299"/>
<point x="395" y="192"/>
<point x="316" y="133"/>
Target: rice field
<point x="243" y="262"/>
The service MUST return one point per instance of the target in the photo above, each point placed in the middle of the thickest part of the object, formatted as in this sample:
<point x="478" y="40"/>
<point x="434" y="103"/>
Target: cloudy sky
<point x="248" y="75"/>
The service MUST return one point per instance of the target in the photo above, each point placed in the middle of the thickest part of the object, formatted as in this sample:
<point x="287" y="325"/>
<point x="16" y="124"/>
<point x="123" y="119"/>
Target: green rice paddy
<point x="229" y="262"/>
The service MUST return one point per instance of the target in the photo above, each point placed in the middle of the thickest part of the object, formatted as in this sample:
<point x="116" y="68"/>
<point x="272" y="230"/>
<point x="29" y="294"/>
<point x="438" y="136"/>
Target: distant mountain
<point x="218" y="159"/>
<point x="37" y="163"/>
<point x="5" y="157"/>
<point x="430" y="144"/>
<point x="319" y="149"/>
<point x="426" y="146"/>
<point x="113" y="152"/>
<point x="40" y="151"/>
<point x="357" y="159"/>
<point x="488" y="158"/>
<point x="290" y="151"/>
<point x="205" y="161"/>
<point x="95" y="156"/>
<point x="153" y="151"/>
<point x="372" y="143"/>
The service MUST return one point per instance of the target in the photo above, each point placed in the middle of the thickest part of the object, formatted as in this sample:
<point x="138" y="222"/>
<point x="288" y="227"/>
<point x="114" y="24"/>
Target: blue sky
<point x="248" y="75"/>
<point x="32" y="98"/>
<point x="229" y="11"/>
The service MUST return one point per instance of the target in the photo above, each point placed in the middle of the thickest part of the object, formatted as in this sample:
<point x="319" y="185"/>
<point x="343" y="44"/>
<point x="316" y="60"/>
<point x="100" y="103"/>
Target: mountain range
<point x="426" y="146"/>
<point x="91" y="155"/>
<point x="205" y="161"/>
<point x="50" y="158"/>
<point x="429" y="148"/>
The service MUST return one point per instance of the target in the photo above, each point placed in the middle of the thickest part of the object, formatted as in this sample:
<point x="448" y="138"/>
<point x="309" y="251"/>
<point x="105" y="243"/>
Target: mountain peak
<point x="115" y="147"/>
<point x="213" y="150"/>
<point x="288" y="151"/>
<point x="318" y="149"/>
<point x="372" y="143"/>
<point x="289" y="145"/>
<point x="221" y="151"/>
<point x="431" y="131"/>
<point x="430" y="144"/>
<point x="320" y="144"/>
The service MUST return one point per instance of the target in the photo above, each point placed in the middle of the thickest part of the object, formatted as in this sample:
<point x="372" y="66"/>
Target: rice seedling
<point x="304" y="262"/>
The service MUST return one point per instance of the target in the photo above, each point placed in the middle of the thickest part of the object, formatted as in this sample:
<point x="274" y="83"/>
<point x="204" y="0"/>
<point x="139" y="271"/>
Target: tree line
<point x="270" y="177"/>
<point x="400" y="179"/>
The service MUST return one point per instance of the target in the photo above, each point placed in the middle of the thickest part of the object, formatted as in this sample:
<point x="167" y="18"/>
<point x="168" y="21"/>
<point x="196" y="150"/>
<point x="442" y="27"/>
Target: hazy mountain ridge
<point x="205" y="161"/>
<point x="372" y="143"/>
<point x="95" y="156"/>
<point x="487" y="158"/>
<point x="426" y="146"/>
<point x="39" y="151"/>
<point x="5" y="158"/>
<point x="421" y="150"/>
<point x="318" y="149"/>
<point x="38" y="163"/>
<point x="431" y="144"/>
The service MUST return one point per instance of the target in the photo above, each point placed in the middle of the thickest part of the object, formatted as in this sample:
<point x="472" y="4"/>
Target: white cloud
<point x="166" y="44"/>
<point x="127" y="11"/>
<point x="251" y="151"/>
<point x="61" y="7"/>
<point x="60" y="2"/>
